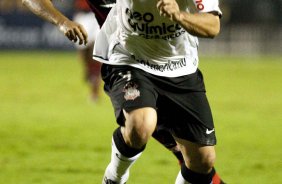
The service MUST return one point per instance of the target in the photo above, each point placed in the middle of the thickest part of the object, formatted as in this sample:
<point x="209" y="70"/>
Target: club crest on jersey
<point x="130" y="91"/>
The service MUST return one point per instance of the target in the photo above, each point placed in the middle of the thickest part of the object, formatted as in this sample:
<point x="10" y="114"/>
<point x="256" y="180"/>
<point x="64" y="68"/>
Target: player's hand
<point x="169" y="9"/>
<point x="74" y="31"/>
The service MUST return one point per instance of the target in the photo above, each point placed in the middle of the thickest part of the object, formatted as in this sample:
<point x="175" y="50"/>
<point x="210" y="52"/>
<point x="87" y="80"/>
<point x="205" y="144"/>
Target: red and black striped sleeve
<point x="101" y="9"/>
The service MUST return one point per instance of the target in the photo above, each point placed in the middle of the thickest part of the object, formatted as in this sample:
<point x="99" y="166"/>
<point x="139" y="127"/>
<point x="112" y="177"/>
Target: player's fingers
<point x="67" y="34"/>
<point x="162" y="11"/>
<point x="159" y="4"/>
<point x="71" y="35"/>
<point x="162" y="7"/>
<point x="78" y="35"/>
<point x="84" y="34"/>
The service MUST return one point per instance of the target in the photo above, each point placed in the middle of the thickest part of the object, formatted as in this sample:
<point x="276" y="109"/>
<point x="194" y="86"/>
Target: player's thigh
<point x="186" y="119"/>
<point x="141" y="117"/>
<point x="131" y="94"/>
<point x="140" y="122"/>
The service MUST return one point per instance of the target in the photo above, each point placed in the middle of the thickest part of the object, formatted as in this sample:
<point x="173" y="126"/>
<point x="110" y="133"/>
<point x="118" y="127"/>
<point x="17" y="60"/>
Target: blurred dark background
<point x="248" y="28"/>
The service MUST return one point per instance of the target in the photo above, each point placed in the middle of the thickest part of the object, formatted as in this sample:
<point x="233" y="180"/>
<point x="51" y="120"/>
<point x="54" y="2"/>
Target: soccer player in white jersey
<point x="151" y="74"/>
<point x="153" y="79"/>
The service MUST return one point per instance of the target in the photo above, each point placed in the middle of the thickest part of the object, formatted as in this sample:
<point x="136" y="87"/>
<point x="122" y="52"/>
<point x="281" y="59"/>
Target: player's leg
<point x="195" y="136"/>
<point x="163" y="136"/>
<point x="185" y="112"/>
<point x="134" y="107"/>
<point x="91" y="68"/>
<point x="198" y="163"/>
<point x="128" y="143"/>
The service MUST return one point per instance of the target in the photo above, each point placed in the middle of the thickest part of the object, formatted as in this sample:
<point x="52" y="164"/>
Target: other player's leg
<point x="91" y="68"/>
<point x="91" y="71"/>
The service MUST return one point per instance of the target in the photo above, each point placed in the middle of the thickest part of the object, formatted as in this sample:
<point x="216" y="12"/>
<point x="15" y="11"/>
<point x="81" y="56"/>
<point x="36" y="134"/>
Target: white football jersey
<point x="135" y="34"/>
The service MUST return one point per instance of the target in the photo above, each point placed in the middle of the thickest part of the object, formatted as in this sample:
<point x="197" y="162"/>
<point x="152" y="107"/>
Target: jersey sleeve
<point x="204" y="6"/>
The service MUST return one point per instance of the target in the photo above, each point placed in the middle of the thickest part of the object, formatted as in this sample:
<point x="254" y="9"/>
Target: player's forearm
<point x="205" y="25"/>
<point x="45" y="10"/>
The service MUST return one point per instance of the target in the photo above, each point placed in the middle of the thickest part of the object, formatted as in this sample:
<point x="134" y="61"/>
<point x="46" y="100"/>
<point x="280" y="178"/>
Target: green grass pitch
<point x="51" y="134"/>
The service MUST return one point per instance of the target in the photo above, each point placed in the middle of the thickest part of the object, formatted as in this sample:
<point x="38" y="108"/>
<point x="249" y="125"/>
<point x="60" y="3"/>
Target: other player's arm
<point x="45" y="9"/>
<point x="198" y="24"/>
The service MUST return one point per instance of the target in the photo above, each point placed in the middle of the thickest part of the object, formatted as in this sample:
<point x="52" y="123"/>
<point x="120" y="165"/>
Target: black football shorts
<point x="181" y="103"/>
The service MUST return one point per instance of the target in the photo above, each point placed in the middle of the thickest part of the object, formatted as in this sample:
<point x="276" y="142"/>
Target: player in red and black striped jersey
<point x="85" y="16"/>
<point x="92" y="22"/>
<point x="75" y="32"/>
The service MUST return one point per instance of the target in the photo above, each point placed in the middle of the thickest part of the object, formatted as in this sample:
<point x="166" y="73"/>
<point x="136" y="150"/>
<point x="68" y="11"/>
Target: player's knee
<point x="139" y="137"/>
<point x="208" y="161"/>
<point x="141" y="132"/>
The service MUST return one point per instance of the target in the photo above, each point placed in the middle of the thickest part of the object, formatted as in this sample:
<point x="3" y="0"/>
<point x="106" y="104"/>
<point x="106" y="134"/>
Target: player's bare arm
<point x="198" y="24"/>
<point x="45" y="9"/>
